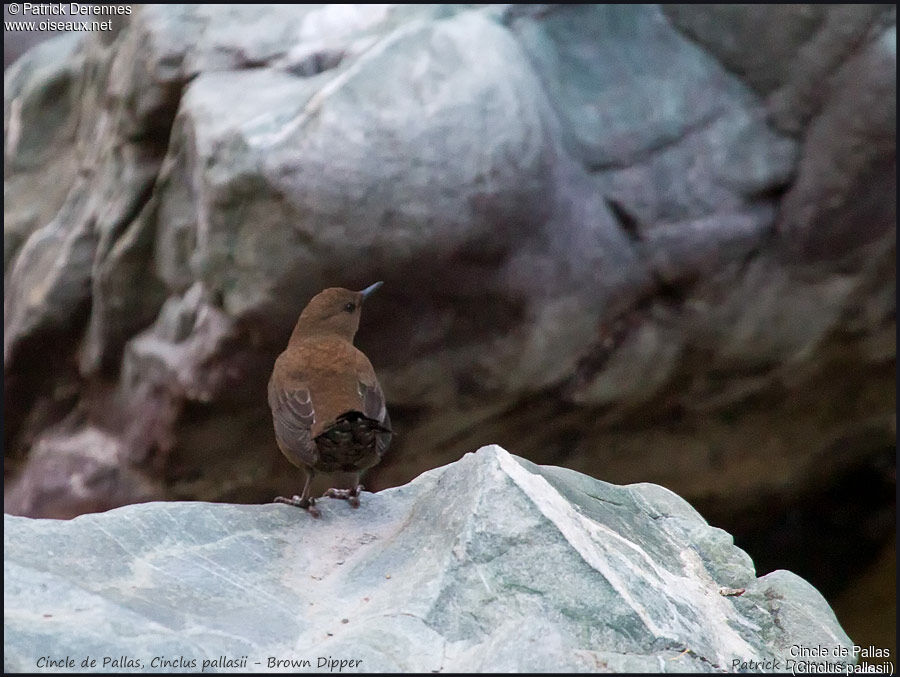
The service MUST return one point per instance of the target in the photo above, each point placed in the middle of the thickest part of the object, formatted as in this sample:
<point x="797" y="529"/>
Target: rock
<point x="836" y="208"/>
<point x="80" y="473"/>
<point x="53" y="256"/>
<point x="673" y="241"/>
<point x="17" y="43"/>
<point x="491" y="563"/>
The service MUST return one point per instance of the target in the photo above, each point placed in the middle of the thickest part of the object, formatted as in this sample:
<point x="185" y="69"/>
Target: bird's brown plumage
<point x="328" y="408"/>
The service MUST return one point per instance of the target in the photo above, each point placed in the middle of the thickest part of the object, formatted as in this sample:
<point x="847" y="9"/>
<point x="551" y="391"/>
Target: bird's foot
<point x="349" y="495"/>
<point x="354" y="496"/>
<point x="308" y="504"/>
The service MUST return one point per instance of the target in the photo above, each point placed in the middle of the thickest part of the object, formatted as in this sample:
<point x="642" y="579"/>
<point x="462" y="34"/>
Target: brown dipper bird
<point x="326" y="402"/>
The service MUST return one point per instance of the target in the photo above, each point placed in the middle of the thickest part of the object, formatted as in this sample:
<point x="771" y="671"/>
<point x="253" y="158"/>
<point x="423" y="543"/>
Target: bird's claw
<point x="349" y="495"/>
<point x="337" y="493"/>
<point x="308" y="504"/>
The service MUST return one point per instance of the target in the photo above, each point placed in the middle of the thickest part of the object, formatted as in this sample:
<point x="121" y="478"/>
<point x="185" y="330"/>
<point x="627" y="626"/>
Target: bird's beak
<point x="368" y="290"/>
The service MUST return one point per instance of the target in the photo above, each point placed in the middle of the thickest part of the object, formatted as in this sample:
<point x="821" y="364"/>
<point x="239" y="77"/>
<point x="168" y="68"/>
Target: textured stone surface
<point x="491" y="563"/>
<point x="653" y="241"/>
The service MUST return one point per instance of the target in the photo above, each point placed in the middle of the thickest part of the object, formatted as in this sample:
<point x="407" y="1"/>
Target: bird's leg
<point x="354" y="494"/>
<point x="303" y="501"/>
<point x="349" y="495"/>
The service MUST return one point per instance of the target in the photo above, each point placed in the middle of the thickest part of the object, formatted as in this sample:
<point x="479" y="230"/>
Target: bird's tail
<point x="353" y="416"/>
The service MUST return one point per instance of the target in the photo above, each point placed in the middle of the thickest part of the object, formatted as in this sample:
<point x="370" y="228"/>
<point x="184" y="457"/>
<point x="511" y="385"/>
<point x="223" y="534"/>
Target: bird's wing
<point x="370" y="393"/>
<point x="373" y="405"/>
<point x="383" y="439"/>
<point x="294" y="416"/>
<point x="374" y="408"/>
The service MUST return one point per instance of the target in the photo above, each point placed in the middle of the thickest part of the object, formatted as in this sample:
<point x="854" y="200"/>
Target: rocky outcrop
<point x="488" y="564"/>
<point x="652" y="244"/>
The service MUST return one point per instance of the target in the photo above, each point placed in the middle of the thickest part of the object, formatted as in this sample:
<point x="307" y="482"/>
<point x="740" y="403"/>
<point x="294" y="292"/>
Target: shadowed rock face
<point x="488" y="564"/>
<point x="653" y="245"/>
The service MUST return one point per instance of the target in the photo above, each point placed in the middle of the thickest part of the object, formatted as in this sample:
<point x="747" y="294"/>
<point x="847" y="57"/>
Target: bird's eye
<point x="350" y="307"/>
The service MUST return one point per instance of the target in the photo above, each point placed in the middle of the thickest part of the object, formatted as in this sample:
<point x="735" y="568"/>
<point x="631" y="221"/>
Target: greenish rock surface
<point x="491" y="563"/>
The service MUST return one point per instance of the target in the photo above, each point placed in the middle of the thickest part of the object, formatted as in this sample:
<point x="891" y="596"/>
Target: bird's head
<point x="333" y="311"/>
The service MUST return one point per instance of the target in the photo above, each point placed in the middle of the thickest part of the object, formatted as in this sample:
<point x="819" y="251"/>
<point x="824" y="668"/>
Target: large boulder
<point x="490" y="564"/>
<point x="653" y="243"/>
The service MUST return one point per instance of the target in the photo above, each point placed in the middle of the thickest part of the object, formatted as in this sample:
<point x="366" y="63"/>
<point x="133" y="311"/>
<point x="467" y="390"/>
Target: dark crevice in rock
<point x="155" y="127"/>
<point x="604" y="500"/>
<point x="42" y="370"/>
<point x="771" y="194"/>
<point x="316" y="63"/>
<point x="671" y="293"/>
<point x="250" y="64"/>
<point x="117" y="228"/>
<point x="240" y="60"/>
<point x="690" y="652"/>
<point x="626" y="221"/>
<point x="648" y="152"/>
